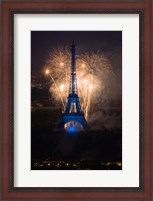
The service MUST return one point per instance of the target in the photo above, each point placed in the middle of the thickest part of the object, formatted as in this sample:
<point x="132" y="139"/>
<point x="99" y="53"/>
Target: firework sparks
<point x="96" y="81"/>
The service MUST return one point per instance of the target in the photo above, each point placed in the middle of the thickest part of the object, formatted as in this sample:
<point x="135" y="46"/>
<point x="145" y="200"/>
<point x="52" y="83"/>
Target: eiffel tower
<point x="73" y="119"/>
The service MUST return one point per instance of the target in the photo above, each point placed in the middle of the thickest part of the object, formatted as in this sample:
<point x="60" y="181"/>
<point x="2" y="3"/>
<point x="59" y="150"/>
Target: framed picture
<point x="76" y="100"/>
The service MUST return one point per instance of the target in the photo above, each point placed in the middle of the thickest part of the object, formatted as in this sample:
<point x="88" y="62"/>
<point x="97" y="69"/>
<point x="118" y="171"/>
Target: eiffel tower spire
<point x="73" y="81"/>
<point x="73" y="116"/>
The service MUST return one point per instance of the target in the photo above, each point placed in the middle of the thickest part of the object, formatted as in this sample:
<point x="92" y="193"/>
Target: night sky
<point x="108" y="42"/>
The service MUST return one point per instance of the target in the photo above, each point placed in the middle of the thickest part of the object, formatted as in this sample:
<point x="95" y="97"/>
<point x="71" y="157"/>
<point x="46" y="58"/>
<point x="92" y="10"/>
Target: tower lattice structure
<point x="73" y="118"/>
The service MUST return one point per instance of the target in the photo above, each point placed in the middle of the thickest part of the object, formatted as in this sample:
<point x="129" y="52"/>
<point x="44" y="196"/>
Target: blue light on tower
<point x="72" y="129"/>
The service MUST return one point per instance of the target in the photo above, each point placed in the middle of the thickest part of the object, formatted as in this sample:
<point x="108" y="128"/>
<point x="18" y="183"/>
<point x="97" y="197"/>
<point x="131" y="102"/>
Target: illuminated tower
<point x="73" y="119"/>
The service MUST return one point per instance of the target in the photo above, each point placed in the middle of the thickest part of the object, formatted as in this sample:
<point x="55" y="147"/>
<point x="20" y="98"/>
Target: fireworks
<point x="96" y="81"/>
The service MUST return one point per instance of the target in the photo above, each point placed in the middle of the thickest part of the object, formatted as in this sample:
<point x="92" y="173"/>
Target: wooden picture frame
<point x="9" y="9"/>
